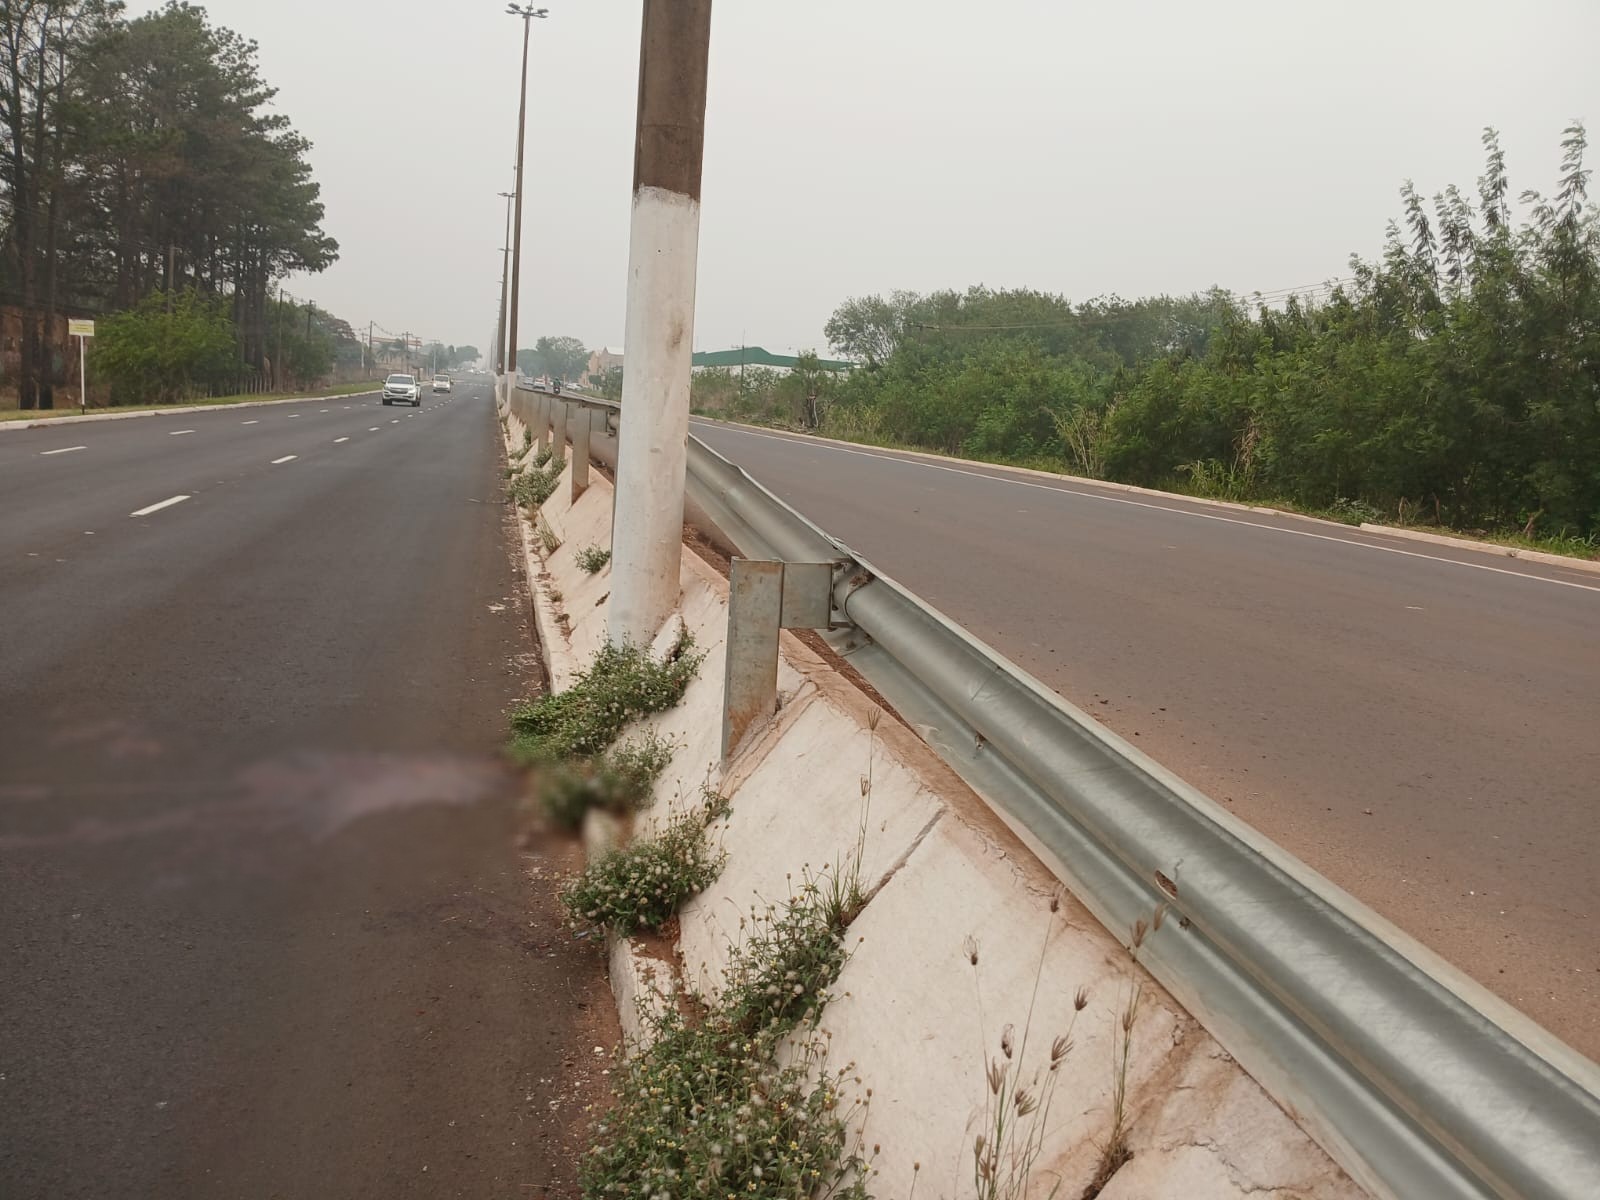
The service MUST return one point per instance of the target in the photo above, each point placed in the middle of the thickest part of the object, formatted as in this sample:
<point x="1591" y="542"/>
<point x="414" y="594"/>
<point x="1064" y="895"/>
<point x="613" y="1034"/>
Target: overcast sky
<point x="857" y="146"/>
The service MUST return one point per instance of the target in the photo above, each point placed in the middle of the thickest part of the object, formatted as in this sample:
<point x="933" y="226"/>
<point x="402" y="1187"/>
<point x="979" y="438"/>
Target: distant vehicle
<point x="402" y="389"/>
<point x="555" y="386"/>
<point x="441" y="383"/>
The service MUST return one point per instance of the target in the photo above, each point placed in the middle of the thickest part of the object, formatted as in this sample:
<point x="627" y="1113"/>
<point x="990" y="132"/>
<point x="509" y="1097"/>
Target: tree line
<point x="1454" y="379"/>
<point x="142" y="172"/>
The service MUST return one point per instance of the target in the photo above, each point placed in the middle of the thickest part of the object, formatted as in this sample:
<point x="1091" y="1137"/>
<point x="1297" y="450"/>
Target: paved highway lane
<point x="266" y="930"/>
<point x="1419" y="724"/>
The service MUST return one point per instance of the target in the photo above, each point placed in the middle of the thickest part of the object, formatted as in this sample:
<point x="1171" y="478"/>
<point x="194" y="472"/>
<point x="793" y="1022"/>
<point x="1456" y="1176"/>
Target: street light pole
<point x="527" y="14"/>
<point x="499" y="359"/>
<point x="663" y="244"/>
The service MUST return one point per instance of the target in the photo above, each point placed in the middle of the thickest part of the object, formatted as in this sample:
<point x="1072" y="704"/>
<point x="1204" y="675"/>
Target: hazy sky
<point x="858" y="146"/>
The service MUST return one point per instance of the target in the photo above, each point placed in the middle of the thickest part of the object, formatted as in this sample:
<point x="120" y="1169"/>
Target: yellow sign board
<point x="80" y="328"/>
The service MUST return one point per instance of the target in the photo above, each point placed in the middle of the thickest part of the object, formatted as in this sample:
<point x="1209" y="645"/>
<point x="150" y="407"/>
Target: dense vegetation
<point x="1454" y="380"/>
<point x="142" y="158"/>
<point x="559" y="357"/>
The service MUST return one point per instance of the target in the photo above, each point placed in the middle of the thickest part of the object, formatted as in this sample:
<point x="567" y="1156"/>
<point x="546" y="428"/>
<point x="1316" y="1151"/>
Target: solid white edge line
<point x="284" y="459"/>
<point x="167" y="503"/>
<point x="63" y="450"/>
<point x="1182" y="512"/>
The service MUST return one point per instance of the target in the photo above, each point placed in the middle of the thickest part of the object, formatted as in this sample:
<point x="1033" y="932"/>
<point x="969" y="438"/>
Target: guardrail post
<point x="764" y="597"/>
<point x="582" y="423"/>
<point x="559" y="427"/>
<point x="663" y="244"/>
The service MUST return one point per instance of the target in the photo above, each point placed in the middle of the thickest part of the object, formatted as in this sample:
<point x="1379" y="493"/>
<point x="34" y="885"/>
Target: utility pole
<point x="663" y="244"/>
<point x="498" y="359"/>
<point x="172" y="255"/>
<point x="527" y="14"/>
<point x="369" y="350"/>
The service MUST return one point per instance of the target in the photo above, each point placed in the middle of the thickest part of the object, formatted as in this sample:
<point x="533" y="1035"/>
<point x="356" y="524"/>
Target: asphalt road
<point x="266" y="930"/>
<point x="1420" y="724"/>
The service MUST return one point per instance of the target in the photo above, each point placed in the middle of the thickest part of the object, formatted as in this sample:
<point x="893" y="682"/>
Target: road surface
<point x="266" y="931"/>
<point x="1420" y="724"/>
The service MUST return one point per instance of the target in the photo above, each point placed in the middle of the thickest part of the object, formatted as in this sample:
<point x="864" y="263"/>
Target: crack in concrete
<point x="904" y="856"/>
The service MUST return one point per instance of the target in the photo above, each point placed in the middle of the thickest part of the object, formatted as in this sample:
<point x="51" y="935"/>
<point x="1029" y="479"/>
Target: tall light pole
<point x="527" y="13"/>
<point x="663" y="244"/>
<point x="499" y="356"/>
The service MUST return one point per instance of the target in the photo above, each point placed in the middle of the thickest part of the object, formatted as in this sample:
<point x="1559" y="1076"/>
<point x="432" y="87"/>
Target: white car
<point x="402" y="389"/>
<point x="441" y="383"/>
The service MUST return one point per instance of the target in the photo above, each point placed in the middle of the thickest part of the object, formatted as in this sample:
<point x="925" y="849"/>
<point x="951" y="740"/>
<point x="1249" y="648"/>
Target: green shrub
<point x="641" y="885"/>
<point x="737" y="1102"/>
<point x="617" y="782"/>
<point x="592" y="558"/>
<point x="622" y="684"/>
<point x="705" y="1111"/>
<point x="537" y="484"/>
<point x="790" y="957"/>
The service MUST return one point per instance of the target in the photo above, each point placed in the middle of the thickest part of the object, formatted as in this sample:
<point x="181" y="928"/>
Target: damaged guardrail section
<point x="1414" y="1078"/>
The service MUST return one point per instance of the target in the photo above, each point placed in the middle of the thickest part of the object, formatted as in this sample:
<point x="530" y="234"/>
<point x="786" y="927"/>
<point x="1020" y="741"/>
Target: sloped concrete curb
<point x="1499" y="551"/>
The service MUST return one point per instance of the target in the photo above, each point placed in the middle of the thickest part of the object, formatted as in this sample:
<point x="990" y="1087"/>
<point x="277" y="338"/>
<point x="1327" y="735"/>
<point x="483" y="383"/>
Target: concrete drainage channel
<point x="966" y="944"/>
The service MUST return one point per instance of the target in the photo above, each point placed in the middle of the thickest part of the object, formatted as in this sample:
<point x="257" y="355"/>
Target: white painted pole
<point x="83" y="379"/>
<point x="663" y="246"/>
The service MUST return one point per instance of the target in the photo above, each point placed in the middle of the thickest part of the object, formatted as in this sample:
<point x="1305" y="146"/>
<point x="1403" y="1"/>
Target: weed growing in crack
<point x="1016" y="1103"/>
<point x="708" y="1111"/>
<point x="592" y="558"/>
<point x="1115" y="1153"/>
<point x="623" y="683"/>
<point x="618" y="781"/>
<point x="547" y="536"/>
<point x="642" y="885"/>
<point x="737" y="1097"/>
<point x="790" y="956"/>
<point x="537" y="484"/>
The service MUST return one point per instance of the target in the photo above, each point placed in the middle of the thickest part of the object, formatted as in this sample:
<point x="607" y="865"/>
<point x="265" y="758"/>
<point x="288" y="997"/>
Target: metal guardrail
<point x="1416" y="1079"/>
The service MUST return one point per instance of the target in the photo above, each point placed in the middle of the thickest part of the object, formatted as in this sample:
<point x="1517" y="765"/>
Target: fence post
<point x="582" y="424"/>
<point x="764" y="597"/>
<point x="559" y="429"/>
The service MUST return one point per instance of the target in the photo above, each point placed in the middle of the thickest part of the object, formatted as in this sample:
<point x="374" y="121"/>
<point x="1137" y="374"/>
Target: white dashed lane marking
<point x="284" y="459"/>
<point x="150" y="508"/>
<point x="336" y="441"/>
<point x="374" y="429"/>
<point x="63" y="450"/>
<point x="179" y="432"/>
<point x="255" y="422"/>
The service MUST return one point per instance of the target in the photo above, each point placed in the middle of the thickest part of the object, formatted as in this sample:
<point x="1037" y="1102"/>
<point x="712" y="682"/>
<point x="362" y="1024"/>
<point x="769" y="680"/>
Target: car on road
<point x="441" y="383"/>
<point x="402" y="389"/>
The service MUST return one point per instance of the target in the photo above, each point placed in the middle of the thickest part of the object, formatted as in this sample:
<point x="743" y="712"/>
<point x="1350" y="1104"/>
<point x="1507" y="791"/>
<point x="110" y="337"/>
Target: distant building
<point x="757" y="356"/>
<point x="601" y="361"/>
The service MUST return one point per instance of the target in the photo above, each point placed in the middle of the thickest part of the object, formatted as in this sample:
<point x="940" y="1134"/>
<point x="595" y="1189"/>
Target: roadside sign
<point x="82" y="330"/>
